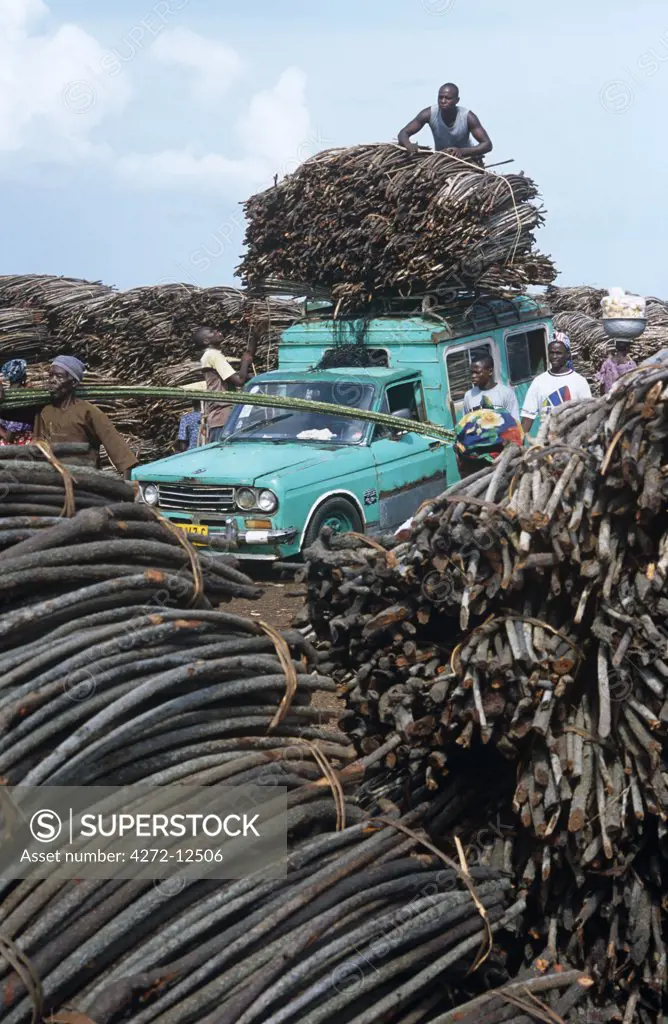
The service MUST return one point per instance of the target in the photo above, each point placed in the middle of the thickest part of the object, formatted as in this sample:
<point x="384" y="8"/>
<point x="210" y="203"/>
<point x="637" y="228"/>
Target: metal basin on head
<point x="624" y="327"/>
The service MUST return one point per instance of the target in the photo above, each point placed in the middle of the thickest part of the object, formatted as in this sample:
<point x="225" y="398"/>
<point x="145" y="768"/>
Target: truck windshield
<point x="256" y="422"/>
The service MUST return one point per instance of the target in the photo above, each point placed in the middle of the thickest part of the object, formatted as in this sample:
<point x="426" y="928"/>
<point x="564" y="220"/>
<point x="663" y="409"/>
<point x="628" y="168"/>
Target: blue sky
<point x="130" y="131"/>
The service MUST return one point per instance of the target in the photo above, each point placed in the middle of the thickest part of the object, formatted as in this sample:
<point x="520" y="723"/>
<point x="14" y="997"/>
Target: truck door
<point x="410" y="468"/>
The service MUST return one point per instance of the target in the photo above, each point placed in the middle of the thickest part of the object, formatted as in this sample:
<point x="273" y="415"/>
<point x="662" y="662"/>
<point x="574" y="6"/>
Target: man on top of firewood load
<point x="551" y="389"/>
<point x="456" y="130"/>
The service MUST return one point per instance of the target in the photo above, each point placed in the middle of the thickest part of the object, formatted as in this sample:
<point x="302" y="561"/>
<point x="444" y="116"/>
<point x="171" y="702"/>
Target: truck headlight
<point x="151" y="494"/>
<point x="267" y="501"/>
<point x="246" y="498"/>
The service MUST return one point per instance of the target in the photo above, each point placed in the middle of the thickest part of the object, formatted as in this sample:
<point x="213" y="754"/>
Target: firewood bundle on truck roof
<point x="523" y="622"/>
<point x="374" y="222"/>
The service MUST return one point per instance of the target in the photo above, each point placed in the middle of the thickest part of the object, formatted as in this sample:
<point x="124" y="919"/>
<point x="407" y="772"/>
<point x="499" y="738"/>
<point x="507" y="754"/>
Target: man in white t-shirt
<point x="552" y="388"/>
<point x="487" y="392"/>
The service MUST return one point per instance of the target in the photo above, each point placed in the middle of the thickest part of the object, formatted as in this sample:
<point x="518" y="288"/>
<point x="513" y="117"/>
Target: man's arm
<point x="467" y="407"/>
<point x="529" y="408"/>
<point x="512" y="405"/>
<point x="412" y="128"/>
<point x="480" y="135"/>
<point x="115" y="446"/>
<point x="239" y="378"/>
<point x="218" y="364"/>
<point x="182" y="436"/>
<point x="38" y="433"/>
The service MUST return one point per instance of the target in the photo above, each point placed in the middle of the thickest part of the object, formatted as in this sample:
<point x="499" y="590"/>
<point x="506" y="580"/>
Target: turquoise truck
<point x="280" y="475"/>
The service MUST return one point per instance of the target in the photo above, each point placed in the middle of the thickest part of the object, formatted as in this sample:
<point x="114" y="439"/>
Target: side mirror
<point x="396" y="433"/>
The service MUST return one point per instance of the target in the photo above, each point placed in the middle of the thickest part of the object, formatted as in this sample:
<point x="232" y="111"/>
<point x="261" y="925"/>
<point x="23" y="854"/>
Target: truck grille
<point x="197" y="499"/>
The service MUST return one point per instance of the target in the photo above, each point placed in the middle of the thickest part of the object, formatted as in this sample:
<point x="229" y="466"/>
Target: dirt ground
<point x="283" y="599"/>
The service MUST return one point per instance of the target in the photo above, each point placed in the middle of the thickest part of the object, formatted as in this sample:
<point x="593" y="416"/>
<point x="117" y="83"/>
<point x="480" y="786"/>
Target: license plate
<point x="202" y="531"/>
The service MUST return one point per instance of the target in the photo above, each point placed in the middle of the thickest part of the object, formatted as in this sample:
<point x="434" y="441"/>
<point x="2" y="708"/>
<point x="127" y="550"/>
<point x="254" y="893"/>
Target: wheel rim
<point x="339" y="522"/>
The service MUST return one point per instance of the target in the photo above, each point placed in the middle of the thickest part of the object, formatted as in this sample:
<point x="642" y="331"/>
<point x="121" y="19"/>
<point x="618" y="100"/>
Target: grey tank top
<point x="457" y="137"/>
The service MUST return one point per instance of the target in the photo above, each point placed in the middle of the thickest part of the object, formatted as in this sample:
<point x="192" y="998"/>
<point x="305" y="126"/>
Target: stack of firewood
<point x="370" y="222"/>
<point x="524" y="619"/>
<point x="141" y="336"/>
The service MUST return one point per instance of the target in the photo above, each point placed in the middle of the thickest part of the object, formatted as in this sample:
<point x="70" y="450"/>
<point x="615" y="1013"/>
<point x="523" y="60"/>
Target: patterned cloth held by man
<point x="483" y="434"/>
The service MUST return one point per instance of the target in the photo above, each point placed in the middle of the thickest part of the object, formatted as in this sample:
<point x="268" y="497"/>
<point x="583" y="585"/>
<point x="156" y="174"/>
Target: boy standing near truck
<point x="220" y="376"/>
<point x="487" y="392"/>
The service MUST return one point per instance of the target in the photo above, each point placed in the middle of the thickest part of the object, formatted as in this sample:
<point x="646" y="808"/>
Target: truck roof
<point x="439" y="324"/>
<point x="374" y="374"/>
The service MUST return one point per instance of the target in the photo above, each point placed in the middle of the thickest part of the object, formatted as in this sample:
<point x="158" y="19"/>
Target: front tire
<point x="337" y="513"/>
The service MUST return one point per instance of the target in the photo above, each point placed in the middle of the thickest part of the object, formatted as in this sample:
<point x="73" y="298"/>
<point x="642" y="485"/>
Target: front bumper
<point x="229" y="535"/>
<point x="234" y="535"/>
<point x="266" y="536"/>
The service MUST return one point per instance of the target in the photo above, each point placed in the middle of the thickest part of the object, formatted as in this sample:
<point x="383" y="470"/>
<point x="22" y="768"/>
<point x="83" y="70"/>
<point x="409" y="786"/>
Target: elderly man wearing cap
<point x="69" y="419"/>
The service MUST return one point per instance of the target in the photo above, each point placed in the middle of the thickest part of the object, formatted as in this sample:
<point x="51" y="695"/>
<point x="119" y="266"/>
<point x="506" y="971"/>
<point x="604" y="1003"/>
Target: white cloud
<point x="215" y="65"/>
<point x="277" y="125"/>
<point x="58" y="88"/>
<point x="52" y="88"/>
<point x="174" y="168"/>
<point x="275" y="133"/>
<point x="15" y="15"/>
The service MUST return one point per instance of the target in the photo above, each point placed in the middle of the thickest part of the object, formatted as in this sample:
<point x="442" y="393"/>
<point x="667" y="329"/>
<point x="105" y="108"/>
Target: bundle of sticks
<point x="130" y="333"/>
<point x="118" y="550"/>
<point x="364" y="924"/>
<point x="581" y="299"/>
<point x="139" y="336"/>
<point x="105" y="693"/>
<point x="35" y="493"/>
<point x="23" y="334"/>
<point x="372" y="221"/>
<point x="526" y="613"/>
<point x="372" y="920"/>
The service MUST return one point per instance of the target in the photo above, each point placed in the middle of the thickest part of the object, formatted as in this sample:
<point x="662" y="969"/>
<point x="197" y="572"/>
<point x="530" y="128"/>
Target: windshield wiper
<point x="256" y="426"/>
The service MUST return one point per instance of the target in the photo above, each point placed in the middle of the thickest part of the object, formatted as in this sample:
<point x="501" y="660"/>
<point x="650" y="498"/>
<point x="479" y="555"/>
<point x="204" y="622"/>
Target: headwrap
<point x="14" y="371"/>
<point x="483" y="433"/>
<point x="72" y="366"/>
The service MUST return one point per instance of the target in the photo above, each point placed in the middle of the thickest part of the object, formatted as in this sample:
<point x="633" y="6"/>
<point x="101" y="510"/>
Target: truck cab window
<point x="459" y="369"/>
<point x="527" y="354"/>
<point x="405" y="398"/>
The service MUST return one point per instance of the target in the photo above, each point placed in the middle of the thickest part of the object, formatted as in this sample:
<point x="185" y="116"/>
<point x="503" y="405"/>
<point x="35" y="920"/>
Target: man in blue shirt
<point x="189" y="427"/>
